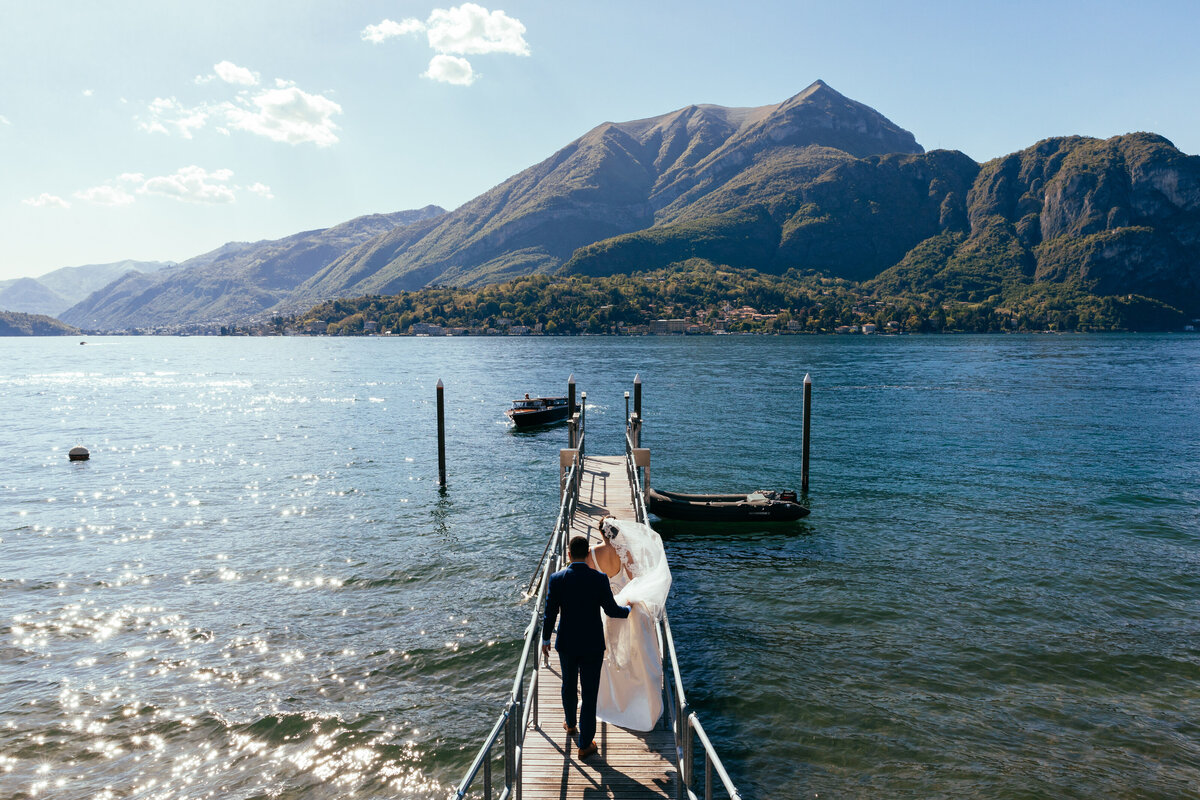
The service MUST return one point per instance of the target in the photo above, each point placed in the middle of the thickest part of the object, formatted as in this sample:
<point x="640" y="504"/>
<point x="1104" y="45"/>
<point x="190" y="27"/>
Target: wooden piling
<point x="807" y="421"/>
<point x="441" y="423"/>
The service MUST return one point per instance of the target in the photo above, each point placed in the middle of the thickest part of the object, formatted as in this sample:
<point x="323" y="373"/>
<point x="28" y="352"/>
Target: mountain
<point x="17" y="324"/>
<point x="236" y="280"/>
<point x="29" y="296"/>
<point x="56" y="291"/>
<point x="1109" y="217"/>
<point x="76" y="283"/>
<point x="819" y="184"/>
<point x="813" y="208"/>
<point x="616" y="179"/>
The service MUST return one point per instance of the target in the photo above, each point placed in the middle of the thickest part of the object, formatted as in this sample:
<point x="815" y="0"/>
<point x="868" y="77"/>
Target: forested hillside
<point x="713" y="297"/>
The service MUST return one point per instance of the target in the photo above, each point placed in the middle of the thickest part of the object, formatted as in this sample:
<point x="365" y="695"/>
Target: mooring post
<point x="583" y="411"/>
<point x="637" y="408"/>
<point x="807" y="421"/>
<point x="627" y="409"/>
<point x="441" y="414"/>
<point x="571" y="411"/>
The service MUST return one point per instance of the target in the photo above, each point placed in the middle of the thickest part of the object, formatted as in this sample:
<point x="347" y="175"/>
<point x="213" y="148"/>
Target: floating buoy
<point x="79" y="454"/>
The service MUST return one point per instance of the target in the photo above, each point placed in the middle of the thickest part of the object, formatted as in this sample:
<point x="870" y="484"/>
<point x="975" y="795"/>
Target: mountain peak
<point x="831" y="119"/>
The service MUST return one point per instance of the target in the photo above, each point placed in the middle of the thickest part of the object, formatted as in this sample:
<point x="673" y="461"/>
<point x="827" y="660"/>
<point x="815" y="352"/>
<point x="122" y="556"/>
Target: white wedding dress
<point x="631" y="679"/>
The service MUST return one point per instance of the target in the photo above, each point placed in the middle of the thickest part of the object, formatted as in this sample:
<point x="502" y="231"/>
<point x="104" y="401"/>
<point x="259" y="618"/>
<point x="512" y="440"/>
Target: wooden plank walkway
<point x="630" y="765"/>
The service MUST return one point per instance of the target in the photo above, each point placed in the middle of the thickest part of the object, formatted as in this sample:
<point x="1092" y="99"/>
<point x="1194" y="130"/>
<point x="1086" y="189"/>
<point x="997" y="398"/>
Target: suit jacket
<point x="579" y="592"/>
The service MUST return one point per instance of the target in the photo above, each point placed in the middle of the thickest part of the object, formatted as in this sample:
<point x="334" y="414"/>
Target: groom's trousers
<point x="582" y="671"/>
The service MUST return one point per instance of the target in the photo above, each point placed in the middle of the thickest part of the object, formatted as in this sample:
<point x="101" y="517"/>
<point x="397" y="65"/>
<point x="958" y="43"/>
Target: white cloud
<point x="450" y="69"/>
<point x="46" y="199"/>
<point x="4" y="120"/>
<point x="467" y="29"/>
<point x="107" y="195"/>
<point x="167" y="114"/>
<point x="388" y="29"/>
<point x="287" y="114"/>
<point x="283" y="114"/>
<point x="193" y="185"/>
<point x="471" y="29"/>
<point x="88" y="92"/>
<point x="188" y="184"/>
<point x="232" y="73"/>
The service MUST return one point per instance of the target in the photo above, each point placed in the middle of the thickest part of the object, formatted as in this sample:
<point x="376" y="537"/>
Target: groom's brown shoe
<point x="584" y="752"/>
<point x="569" y="728"/>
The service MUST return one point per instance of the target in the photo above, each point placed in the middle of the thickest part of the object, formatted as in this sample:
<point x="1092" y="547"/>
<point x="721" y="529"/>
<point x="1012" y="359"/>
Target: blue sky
<point x="158" y="130"/>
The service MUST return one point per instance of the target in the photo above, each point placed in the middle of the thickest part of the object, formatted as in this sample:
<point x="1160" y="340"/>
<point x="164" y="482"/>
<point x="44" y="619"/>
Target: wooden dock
<point x="539" y="757"/>
<point x="630" y="764"/>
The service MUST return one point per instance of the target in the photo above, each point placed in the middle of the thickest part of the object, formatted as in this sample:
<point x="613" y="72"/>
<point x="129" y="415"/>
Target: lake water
<point x="255" y="589"/>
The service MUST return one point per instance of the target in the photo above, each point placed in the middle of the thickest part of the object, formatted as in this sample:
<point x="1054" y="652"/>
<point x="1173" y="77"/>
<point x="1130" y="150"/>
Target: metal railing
<point x="684" y="722"/>
<point x="521" y="707"/>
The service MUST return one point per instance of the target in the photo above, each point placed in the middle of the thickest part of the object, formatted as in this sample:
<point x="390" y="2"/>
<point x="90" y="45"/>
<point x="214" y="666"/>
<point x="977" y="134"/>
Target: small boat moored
<point x="761" y="506"/>
<point x="533" y="411"/>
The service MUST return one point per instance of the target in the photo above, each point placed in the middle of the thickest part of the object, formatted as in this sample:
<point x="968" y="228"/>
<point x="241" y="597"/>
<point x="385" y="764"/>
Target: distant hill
<point x="16" y="324"/>
<point x="76" y="283"/>
<point x="30" y="296"/>
<point x="57" y="291"/>
<point x="236" y="280"/>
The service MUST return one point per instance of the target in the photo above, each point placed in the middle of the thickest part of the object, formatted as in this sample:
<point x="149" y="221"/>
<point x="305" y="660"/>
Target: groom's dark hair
<point x="578" y="548"/>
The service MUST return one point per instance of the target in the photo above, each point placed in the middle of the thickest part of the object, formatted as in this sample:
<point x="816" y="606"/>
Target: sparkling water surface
<point x="255" y="589"/>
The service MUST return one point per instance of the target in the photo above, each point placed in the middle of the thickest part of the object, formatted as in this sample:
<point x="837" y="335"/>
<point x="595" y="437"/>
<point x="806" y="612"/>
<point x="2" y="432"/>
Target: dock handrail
<point x="684" y="721"/>
<point x="514" y="719"/>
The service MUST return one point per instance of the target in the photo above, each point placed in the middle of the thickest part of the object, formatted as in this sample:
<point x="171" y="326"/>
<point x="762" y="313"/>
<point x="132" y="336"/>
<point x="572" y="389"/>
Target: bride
<point x="632" y="556"/>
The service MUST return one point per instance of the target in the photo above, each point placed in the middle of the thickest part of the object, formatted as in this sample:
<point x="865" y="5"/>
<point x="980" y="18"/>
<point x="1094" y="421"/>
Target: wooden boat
<point x="762" y="506"/>
<point x="533" y="411"/>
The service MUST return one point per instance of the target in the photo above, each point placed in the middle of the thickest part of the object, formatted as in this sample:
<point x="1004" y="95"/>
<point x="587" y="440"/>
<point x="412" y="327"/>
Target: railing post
<point x="487" y="776"/>
<point x="571" y="410"/>
<point x="583" y="411"/>
<point x="518" y="739"/>
<point x="510" y="741"/>
<point x="537" y="688"/>
<point x="637" y="407"/>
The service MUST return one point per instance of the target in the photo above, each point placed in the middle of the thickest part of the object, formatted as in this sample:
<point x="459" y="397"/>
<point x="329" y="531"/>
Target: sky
<point x="157" y="130"/>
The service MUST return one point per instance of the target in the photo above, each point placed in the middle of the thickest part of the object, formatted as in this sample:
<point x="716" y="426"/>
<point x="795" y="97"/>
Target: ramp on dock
<point x="630" y="764"/>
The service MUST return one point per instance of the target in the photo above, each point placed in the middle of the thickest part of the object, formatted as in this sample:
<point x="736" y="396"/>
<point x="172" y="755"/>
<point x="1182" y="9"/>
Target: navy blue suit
<point x="578" y="593"/>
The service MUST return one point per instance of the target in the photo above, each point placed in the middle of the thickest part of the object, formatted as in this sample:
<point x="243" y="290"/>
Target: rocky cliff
<point x="1114" y="216"/>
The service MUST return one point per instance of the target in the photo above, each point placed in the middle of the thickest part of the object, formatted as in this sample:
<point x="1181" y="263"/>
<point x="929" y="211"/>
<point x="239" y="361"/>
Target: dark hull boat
<point x="752" y="507"/>
<point x="533" y="411"/>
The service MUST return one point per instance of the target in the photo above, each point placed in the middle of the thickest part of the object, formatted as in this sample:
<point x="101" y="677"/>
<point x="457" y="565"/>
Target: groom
<point x="579" y="592"/>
